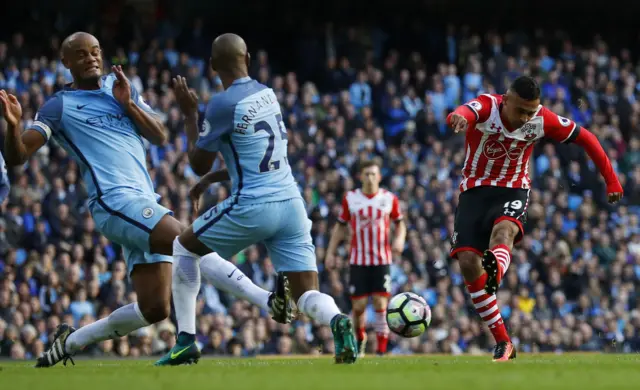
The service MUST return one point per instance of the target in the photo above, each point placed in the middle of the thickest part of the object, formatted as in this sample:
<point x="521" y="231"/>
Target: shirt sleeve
<point x="558" y="128"/>
<point x="345" y="215"/>
<point x="48" y="118"/>
<point x="481" y="107"/>
<point x="396" y="211"/>
<point x="139" y="101"/>
<point x="218" y="122"/>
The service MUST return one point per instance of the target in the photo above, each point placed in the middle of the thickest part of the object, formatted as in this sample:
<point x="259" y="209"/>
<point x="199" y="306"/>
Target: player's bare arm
<point x="18" y="145"/>
<point x="151" y="128"/>
<point x="401" y="235"/>
<point x="200" y="160"/>
<point x="204" y="183"/>
<point x="338" y="233"/>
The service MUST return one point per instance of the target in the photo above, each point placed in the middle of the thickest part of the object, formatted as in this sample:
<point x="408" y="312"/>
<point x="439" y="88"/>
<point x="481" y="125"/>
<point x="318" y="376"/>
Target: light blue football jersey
<point x="93" y="128"/>
<point x="244" y="123"/>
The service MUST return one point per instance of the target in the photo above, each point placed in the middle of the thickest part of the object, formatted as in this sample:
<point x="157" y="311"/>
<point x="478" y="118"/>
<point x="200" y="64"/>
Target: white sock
<point x="185" y="287"/>
<point x="122" y="321"/>
<point x="380" y="323"/>
<point x="226" y="276"/>
<point x="320" y="307"/>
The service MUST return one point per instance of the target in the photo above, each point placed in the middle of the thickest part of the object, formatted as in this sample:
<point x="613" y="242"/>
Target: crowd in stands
<point x="574" y="280"/>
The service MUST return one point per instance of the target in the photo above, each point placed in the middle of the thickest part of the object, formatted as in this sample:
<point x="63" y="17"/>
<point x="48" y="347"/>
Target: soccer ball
<point x="408" y="315"/>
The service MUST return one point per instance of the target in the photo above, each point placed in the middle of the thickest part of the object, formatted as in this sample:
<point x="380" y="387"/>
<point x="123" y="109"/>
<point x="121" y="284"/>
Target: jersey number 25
<point x="266" y="164"/>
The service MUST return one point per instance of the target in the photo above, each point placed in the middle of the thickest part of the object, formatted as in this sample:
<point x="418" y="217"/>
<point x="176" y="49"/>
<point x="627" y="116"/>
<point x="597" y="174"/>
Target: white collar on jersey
<point x="241" y="80"/>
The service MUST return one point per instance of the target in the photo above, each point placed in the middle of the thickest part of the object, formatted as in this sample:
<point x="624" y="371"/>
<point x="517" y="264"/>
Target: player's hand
<point x="196" y="192"/>
<point x="458" y="123"/>
<point x="11" y="108"/>
<point x="330" y="261"/>
<point x="121" y="87"/>
<point x="614" y="192"/>
<point x="187" y="99"/>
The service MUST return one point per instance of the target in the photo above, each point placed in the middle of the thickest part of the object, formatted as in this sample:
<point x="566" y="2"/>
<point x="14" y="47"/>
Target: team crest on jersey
<point x="206" y="128"/>
<point x="494" y="150"/>
<point x="147" y="213"/>
<point x="529" y="131"/>
<point x="476" y="105"/>
<point x="564" y="121"/>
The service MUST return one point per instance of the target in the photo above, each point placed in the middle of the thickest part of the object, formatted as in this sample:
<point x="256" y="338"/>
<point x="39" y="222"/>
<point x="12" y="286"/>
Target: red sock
<point x="503" y="255"/>
<point x="487" y="308"/>
<point x="383" y="340"/>
<point x="382" y="331"/>
<point x="361" y="333"/>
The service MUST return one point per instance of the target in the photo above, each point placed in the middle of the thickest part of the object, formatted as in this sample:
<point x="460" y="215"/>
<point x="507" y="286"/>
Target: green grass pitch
<point x="539" y="372"/>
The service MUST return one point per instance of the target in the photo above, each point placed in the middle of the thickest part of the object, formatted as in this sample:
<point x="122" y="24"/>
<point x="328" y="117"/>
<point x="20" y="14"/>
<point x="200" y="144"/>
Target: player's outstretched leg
<point x="496" y="260"/>
<point x="485" y="304"/>
<point x="323" y="309"/>
<point x="151" y="283"/>
<point x="58" y="351"/>
<point x="188" y="267"/>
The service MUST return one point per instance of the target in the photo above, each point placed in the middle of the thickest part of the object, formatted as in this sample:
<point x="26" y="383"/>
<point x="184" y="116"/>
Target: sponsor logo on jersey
<point x="494" y="150"/>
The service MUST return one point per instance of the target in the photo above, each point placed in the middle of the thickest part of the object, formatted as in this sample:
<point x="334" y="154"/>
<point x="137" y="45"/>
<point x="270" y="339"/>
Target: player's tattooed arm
<point x="147" y="124"/>
<point x="18" y="145"/>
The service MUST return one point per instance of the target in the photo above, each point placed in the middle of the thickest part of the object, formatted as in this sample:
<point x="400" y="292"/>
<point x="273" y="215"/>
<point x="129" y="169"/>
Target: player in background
<point x="244" y="124"/>
<point x="501" y="132"/>
<point x="369" y="212"/>
<point x="100" y="121"/>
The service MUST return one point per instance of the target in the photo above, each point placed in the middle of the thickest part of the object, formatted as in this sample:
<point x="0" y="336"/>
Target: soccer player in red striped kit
<point x="501" y="131"/>
<point x="369" y="212"/>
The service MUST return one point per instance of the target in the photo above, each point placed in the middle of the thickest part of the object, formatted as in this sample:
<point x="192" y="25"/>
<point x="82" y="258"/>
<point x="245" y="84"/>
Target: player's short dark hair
<point x="526" y="87"/>
<point x="368" y="164"/>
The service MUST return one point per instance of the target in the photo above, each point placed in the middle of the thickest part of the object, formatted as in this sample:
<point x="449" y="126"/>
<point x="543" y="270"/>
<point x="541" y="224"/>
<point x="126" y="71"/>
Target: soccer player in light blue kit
<point x="244" y="123"/>
<point x="100" y="121"/>
<point x="5" y="187"/>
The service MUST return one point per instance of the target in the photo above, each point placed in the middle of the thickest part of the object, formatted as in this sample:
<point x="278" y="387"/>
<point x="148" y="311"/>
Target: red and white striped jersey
<point x="370" y="219"/>
<point x="499" y="157"/>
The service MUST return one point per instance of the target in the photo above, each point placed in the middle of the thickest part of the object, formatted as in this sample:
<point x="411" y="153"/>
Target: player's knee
<point x="155" y="310"/>
<point x="359" y="305"/>
<point x="380" y="302"/>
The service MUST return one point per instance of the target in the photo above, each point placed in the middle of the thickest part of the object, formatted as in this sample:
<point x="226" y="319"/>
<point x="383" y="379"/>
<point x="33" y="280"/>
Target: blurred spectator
<point x="574" y="278"/>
